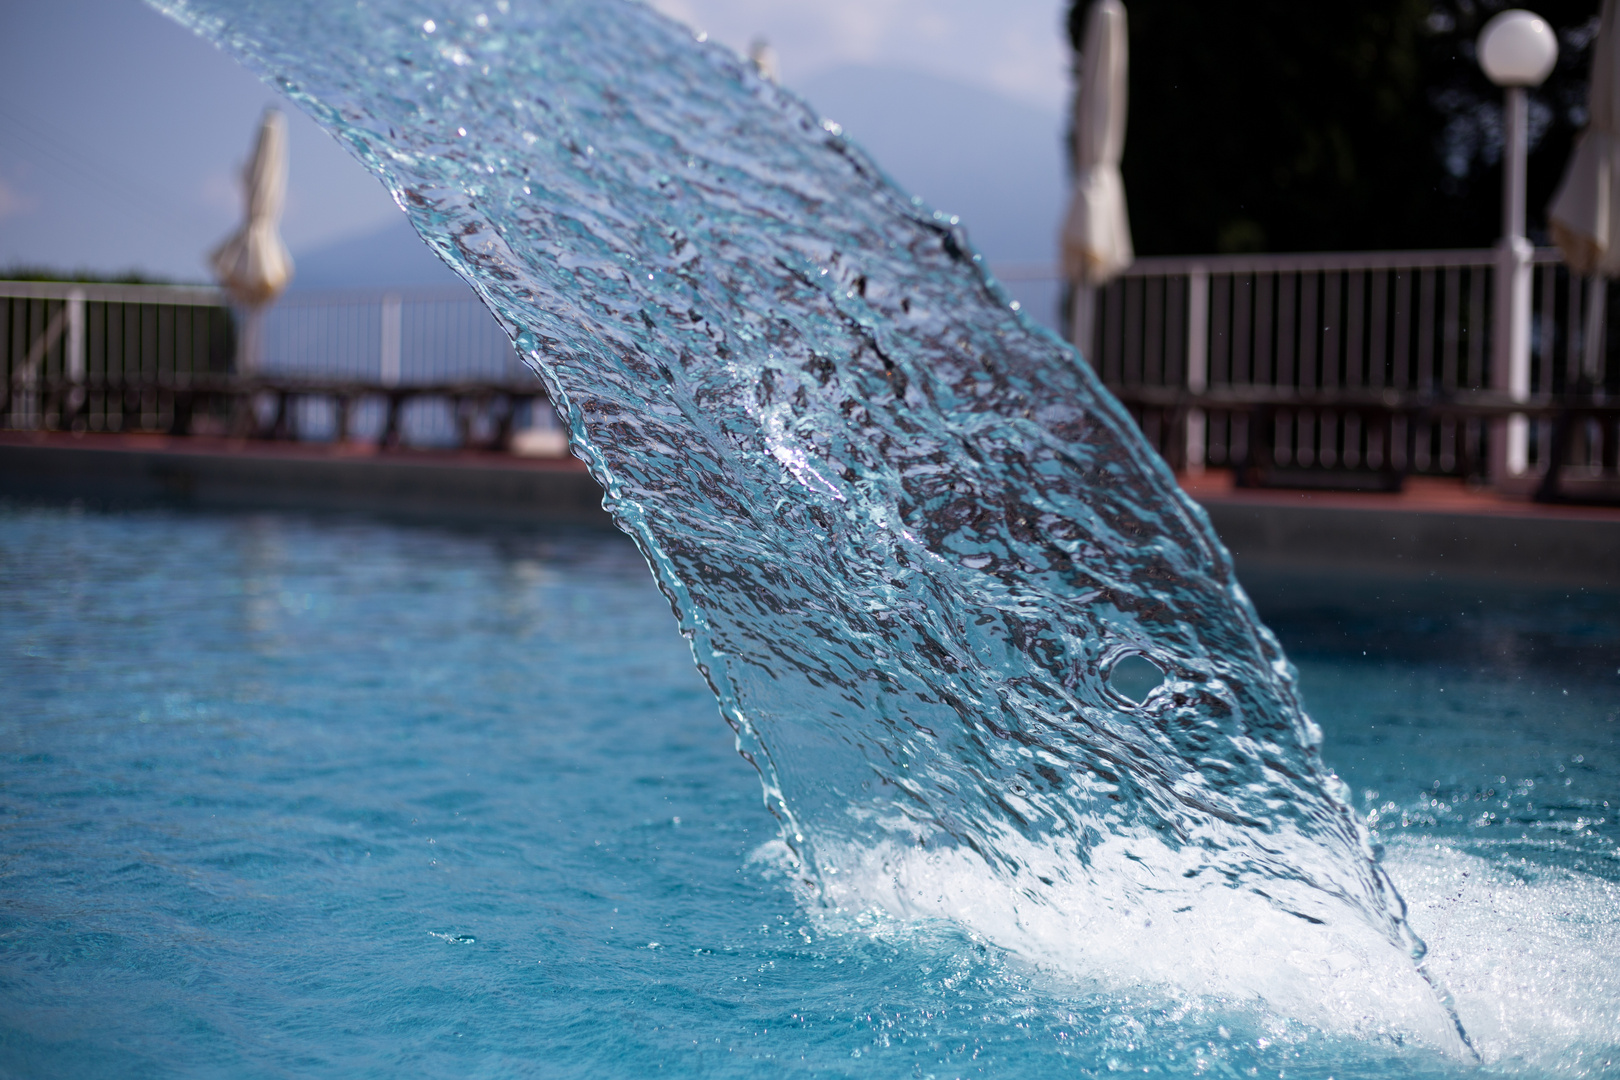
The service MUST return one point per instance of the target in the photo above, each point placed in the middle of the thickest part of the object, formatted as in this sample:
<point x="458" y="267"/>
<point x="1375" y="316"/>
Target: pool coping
<point x="253" y="474"/>
<point x="1434" y="527"/>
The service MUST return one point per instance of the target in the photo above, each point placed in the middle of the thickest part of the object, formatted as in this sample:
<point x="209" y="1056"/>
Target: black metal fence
<point x="1356" y="370"/>
<point x="425" y="369"/>
<point x="107" y="357"/>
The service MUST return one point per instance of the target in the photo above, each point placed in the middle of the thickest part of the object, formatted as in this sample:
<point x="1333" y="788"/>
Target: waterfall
<point x="907" y="532"/>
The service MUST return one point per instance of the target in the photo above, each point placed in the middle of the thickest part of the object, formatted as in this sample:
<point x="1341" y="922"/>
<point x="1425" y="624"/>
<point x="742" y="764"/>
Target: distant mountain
<point x="995" y="162"/>
<point x="390" y="257"/>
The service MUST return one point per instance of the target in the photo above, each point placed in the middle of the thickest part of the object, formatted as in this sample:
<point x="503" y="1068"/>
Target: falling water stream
<point x="913" y="543"/>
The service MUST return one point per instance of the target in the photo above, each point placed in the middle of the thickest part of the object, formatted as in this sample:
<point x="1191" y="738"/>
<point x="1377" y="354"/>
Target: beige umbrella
<point x="253" y="264"/>
<point x="1097" y="232"/>
<point x="1584" y="209"/>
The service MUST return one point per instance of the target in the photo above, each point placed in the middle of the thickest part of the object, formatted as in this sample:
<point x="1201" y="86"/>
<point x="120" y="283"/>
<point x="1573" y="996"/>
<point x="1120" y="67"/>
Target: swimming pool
<point x="294" y="796"/>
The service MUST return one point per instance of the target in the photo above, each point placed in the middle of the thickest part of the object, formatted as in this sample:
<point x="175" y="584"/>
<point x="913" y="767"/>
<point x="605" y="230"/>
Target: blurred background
<point x="1255" y="130"/>
<point x="1263" y="125"/>
<point x="122" y="135"/>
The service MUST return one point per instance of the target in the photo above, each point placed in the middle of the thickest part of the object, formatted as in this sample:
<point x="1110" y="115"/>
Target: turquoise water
<point x="915" y="547"/>
<point x="287" y="796"/>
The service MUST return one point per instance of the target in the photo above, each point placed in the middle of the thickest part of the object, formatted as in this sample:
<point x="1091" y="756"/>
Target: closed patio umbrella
<point x="253" y="264"/>
<point x="1583" y="212"/>
<point x="1097" y="232"/>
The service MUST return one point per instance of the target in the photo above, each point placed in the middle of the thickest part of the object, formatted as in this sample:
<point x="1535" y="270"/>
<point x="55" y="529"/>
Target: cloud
<point x="1014" y="47"/>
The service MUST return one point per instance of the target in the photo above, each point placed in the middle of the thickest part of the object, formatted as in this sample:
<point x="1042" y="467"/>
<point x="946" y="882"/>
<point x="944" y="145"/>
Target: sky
<point x="122" y="134"/>
<point x="1015" y="48"/>
<point x="121" y="138"/>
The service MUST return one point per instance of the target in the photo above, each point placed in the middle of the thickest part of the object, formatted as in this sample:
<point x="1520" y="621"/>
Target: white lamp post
<point x="1517" y="49"/>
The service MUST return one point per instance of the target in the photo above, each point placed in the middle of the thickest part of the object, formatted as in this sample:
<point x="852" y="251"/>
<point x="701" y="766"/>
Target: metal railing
<point x="1354" y="370"/>
<point x="1329" y="370"/>
<point x="427" y="367"/>
<point x="104" y="357"/>
<point x="389" y="338"/>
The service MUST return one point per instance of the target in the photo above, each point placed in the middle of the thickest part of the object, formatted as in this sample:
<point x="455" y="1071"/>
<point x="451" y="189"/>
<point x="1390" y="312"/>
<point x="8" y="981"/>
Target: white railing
<point x="1362" y="362"/>
<point x="398" y="341"/>
<point x="1359" y="361"/>
<point x="390" y="338"/>
<point x="418" y="366"/>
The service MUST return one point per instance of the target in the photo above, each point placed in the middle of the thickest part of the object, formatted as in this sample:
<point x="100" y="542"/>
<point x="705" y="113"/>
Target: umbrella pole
<point x="1082" y="318"/>
<point x="248" y="347"/>
<point x="1597" y="296"/>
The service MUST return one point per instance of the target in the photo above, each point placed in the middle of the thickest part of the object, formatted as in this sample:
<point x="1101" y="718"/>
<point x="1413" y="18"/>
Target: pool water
<point x="294" y="796"/>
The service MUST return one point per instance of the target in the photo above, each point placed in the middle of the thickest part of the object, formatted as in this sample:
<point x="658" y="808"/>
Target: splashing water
<point x="907" y="533"/>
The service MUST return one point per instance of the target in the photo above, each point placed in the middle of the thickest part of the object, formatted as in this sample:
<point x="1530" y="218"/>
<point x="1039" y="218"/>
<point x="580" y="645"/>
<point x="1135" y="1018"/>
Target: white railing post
<point x="1597" y="299"/>
<point x="1197" y="362"/>
<point x="75" y="336"/>
<point x="1083" y="321"/>
<point x="1510" y="352"/>
<point x="74" y="400"/>
<point x="390" y="372"/>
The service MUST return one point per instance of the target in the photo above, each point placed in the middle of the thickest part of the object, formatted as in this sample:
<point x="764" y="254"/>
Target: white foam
<point x="1131" y="924"/>
<point x="1531" y="954"/>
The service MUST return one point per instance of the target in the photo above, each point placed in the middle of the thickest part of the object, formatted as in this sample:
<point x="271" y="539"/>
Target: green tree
<point x="1281" y="125"/>
<point x="46" y="273"/>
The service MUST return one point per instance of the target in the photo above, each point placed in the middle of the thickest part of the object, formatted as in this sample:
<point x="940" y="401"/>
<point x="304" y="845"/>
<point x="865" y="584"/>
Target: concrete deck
<point x="1432" y="527"/>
